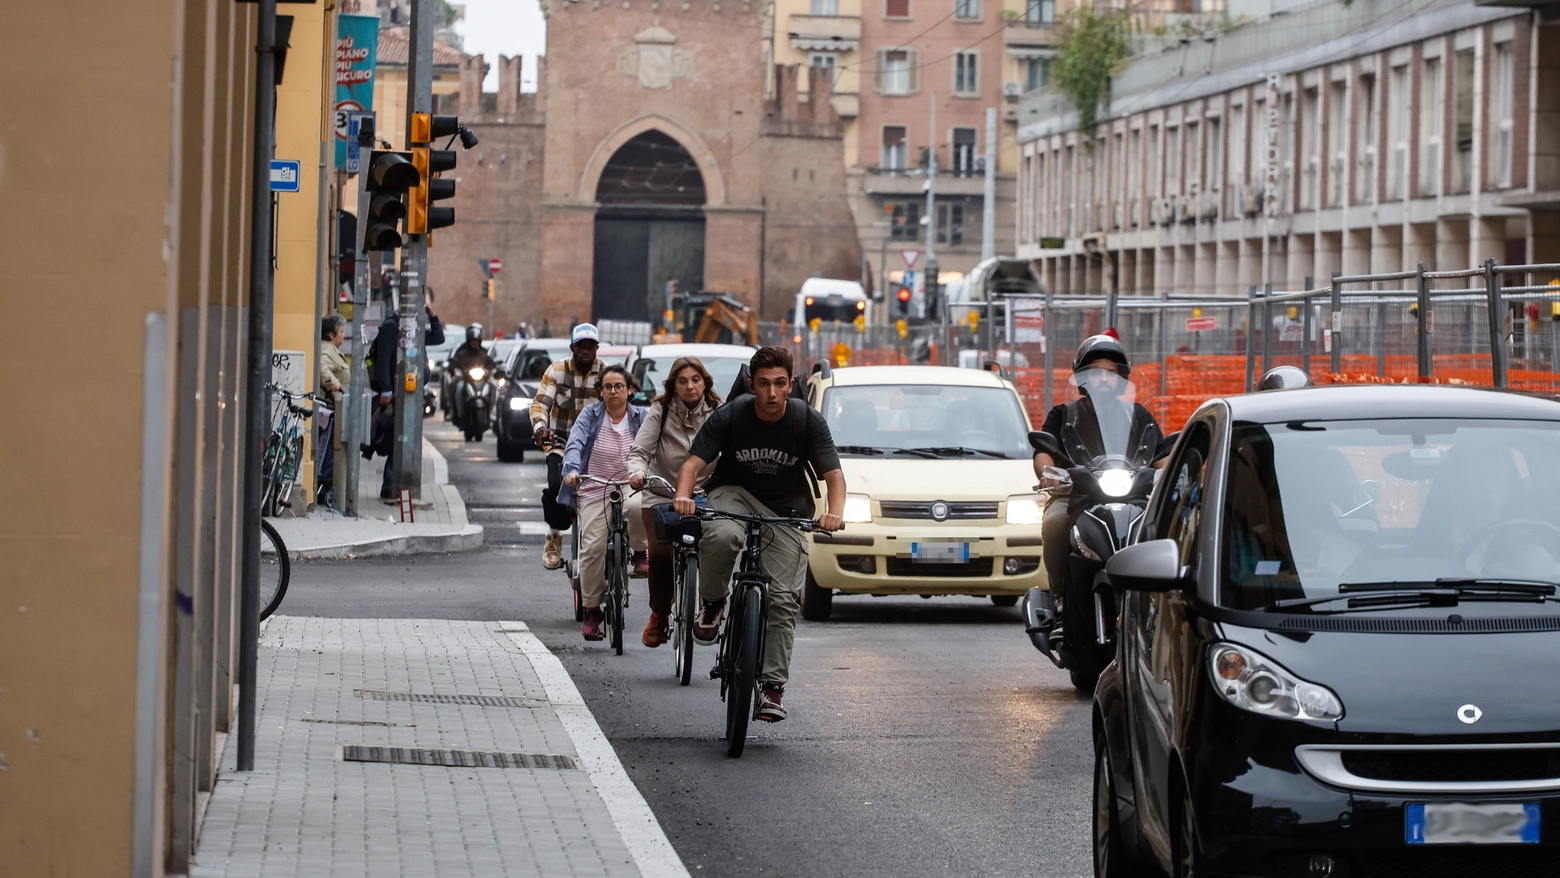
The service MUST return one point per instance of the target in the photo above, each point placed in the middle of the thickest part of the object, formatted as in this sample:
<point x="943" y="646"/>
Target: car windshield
<point x="1378" y="505"/>
<point x="984" y="421"/>
<point x="723" y="370"/>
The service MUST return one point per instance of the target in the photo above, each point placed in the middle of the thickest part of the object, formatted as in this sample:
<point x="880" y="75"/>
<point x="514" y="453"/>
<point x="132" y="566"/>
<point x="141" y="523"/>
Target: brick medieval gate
<point x="649" y="228"/>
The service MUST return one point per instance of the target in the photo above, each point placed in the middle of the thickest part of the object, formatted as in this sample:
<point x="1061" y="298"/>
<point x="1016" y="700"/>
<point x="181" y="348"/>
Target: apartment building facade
<point x="1316" y="139"/>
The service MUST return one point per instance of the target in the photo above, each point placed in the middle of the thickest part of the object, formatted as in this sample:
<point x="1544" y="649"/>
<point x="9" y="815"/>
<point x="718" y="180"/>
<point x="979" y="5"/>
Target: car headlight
<point x="858" y="509"/>
<point x="1116" y="482"/>
<point x="1024" y="509"/>
<point x="1252" y="681"/>
<point x="477" y="374"/>
<point x="516" y="404"/>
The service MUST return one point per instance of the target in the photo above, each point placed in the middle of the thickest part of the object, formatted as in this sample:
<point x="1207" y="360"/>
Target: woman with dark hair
<point x="335" y="378"/>
<point x="687" y="400"/>
<point x="598" y="445"/>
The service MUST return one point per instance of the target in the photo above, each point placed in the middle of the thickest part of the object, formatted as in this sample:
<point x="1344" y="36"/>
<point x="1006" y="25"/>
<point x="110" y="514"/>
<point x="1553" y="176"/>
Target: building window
<point x="1037" y="73"/>
<point x="1193" y="158"/>
<point x="1310" y="162"/>
<point x="894" y="147"/>
<point x="896" y="9"/>
<point x="1215" y="152"/>
<point x="899" y="71"/>
<point x="963" y="151"/>
<point x="1135" y="178"/>
<point x="1040" y="13"/>
<point x="1237" y="172"/>
<point x="1502" y="102"/>
<point x="1431" y="119"/>
<point x="827" y="61"/>
<point x="826" y="7"/>
<point x="966" y="79"/>
<point x="1365" y="147"/>
<point x="1397" y="133"/>
<point x="966" y="9"/>
<point x="1337" y="143"/>
<point x="905" y="220"/>
<point x="1462" y="105"/>
<point x="950" y="223"/>
<point x="1172" y="161"/>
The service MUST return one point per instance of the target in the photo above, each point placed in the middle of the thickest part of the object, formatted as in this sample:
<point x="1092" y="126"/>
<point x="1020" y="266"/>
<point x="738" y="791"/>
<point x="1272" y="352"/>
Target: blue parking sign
<point x="284" y="175"/>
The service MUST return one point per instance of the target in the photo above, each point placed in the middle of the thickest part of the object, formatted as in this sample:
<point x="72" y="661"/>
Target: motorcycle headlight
<point x="1252" y="681"/>
<point x="1116" y="482"/>
<point x="1024" y="509"/>
<point x="858" y="509"/>
<point x="477" y="374"/>
<point x="516" y="404"/>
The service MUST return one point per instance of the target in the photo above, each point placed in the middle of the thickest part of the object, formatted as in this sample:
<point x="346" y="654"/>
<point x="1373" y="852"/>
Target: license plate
<point x="940" y="553"/>
<point x="1470" y="823"/>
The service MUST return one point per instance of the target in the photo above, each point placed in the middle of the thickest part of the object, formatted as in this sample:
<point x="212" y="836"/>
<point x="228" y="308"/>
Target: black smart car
<point x="1340" y="643"/>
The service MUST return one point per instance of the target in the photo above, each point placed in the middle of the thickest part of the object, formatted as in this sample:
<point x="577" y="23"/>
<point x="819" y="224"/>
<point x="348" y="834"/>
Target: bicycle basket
<point x="671" y="527"/>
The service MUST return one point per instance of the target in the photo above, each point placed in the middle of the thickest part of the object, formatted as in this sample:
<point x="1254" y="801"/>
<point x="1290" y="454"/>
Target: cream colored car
<point x="941" y="491"/>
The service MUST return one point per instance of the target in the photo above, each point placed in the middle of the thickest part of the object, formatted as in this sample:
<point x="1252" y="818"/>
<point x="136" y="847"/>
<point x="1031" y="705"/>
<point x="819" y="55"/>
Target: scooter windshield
<point x="1107" y="426"/>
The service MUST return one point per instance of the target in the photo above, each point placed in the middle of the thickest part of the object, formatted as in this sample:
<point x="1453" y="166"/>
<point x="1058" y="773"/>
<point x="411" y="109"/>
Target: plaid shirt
<point x="565" y="392"/>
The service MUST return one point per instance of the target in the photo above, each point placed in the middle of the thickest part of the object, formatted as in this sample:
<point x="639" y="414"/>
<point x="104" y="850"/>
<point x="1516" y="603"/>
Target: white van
<point x="831" y="300"/>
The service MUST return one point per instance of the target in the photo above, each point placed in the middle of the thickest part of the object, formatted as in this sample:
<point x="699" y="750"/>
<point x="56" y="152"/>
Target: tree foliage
<point x="1093" y="49"/>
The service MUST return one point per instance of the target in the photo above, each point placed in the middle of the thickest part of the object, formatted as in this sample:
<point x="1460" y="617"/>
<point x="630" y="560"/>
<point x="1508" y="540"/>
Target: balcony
<point x="1025" y="40"/>
<point x="912" y="181"/>
<point x="825" y="33"/>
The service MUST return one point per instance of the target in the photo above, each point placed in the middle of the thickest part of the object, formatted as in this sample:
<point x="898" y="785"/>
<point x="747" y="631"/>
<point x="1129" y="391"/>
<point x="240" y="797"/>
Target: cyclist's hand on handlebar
<point x="684" y="506"/>
<point x="830" y="523"/>
<point x="572" y="480"/>
<point x="636" y="481"/>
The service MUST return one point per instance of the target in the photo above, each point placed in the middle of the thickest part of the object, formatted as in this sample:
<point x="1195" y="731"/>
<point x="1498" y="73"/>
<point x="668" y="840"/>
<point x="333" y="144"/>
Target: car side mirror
<point x="1047" y="443"/>
<point x="1151" y="566"/>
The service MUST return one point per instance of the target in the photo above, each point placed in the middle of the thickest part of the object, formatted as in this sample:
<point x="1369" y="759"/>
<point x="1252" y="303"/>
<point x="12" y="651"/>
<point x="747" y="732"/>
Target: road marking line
<point x="642" y="833"/>
<point x="532" y="528"/>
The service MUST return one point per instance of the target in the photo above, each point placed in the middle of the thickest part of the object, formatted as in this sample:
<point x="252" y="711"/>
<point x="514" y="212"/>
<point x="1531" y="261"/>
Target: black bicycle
<point x="618" y="559"/>
<point x="683" y="537"/>
<point x="741" y="645"/>
<point x="275" y="569"/>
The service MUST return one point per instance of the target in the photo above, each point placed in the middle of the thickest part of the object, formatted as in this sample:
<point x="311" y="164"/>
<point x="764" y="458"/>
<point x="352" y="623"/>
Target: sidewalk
<point x="370" y="737"/>
<point x="439" y="527"/>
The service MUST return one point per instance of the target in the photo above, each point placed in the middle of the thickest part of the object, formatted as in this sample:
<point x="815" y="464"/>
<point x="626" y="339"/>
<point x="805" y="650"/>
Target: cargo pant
<point x="1055" y="542"/>
<point x="784" y="560"/>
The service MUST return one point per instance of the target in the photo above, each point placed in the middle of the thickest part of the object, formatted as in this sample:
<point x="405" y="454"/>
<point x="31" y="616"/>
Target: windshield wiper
<point x="1445" y="593"/>
<point x="953" y="451"/>
<point x="918" y="452"/>
<point x="858" y="449"/>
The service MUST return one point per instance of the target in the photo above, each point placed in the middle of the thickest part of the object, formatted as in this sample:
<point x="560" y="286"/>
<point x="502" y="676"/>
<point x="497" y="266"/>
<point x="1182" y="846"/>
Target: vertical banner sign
<point x="1271" y="152"/>
<point x="357" y="48"/>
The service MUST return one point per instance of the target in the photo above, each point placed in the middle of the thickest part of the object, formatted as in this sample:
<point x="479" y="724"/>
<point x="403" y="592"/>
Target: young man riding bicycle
<point x="598" y="446"/>
<point x="762" y="446"/>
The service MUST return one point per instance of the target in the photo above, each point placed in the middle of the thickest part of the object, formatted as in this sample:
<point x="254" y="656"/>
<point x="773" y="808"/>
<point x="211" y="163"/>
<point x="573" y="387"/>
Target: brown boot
<point x="655" y="630"/>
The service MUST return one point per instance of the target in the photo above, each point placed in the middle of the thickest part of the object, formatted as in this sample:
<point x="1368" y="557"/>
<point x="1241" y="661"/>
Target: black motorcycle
<point x="474" y="392"/>
<point x="1105" y="472"/>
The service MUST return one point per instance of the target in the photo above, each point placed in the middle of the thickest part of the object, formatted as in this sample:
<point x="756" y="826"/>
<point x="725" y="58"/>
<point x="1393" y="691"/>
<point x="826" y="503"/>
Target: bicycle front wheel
<point x="683" y="614"/>
<point x="749" y="634"/>
<point x="275" y="570"/>
<point x="617" y="596"/>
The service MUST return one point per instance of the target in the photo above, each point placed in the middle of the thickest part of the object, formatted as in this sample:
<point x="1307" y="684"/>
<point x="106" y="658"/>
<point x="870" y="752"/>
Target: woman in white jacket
<point x="660" y="448"/>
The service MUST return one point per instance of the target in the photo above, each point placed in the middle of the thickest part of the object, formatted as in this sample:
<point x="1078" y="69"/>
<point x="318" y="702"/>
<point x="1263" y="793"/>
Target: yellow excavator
<point x="717" y="318"/>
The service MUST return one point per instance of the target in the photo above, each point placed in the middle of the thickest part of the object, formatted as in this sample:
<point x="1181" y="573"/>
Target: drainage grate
<point x="457" y="758"/>
<point x="477" y="700"/>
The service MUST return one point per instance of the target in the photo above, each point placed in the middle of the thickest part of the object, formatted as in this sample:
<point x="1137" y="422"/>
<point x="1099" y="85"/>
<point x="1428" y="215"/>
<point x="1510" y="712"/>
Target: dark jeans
<point x="389" y="476"/>
<point x="660" y="582"/>
<point x="558" y="517"/>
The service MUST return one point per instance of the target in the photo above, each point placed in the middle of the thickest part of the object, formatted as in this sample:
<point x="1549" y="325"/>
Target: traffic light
<point x="903" y="295"/>
<point x="390" y="176"/>
<point x="422" y="217"/>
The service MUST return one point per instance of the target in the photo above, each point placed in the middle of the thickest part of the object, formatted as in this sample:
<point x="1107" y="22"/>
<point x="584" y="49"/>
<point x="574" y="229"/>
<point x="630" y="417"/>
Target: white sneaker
<point x="552" y="552"/>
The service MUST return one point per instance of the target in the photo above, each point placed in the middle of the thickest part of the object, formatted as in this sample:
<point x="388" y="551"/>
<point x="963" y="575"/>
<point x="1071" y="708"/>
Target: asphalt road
<point x="925" y="736"/>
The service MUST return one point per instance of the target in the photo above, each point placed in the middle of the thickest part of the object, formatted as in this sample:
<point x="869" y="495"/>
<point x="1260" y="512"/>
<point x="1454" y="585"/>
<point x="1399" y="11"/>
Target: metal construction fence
<point x="1494" y="326"/>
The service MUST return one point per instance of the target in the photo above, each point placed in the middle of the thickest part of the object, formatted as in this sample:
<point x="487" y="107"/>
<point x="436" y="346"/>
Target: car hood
<point x="907" y="477"/>
<point x="1417" y="683"/>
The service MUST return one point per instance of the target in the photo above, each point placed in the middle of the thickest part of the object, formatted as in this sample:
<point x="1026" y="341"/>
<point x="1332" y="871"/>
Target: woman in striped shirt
<point x="598" y="445"/>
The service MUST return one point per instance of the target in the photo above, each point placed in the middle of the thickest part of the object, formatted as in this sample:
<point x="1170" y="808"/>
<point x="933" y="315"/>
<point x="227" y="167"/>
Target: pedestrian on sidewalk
<point x="687" y="400"/>
<point x="335" y="377"/>
<point x="568" y="386"/>
<point x="381" y="378"/>
<point x="598" y="446"/>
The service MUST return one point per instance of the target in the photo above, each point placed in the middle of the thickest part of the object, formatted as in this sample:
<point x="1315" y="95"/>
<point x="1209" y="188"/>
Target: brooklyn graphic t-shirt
<point x="769" y="460"/>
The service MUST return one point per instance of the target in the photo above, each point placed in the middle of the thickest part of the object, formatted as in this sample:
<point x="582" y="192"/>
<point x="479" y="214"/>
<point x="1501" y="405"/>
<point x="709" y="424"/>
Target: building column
<point x="1205" y="282"/>
<point x="1419" y="245"/>
<point x="1248" y="265"/>
<point x="1356" y="251"/>
<point x="1487" y="239"/>
<point x="1329" y="256"/>
<point x="1386" y="250"/>
<point x="1185" y="269"/>
<point x="1301" y="261"/>
<point x="1451" y="244"/>
<point x="1164" y="269"/>
<point x="1226" y="269"/>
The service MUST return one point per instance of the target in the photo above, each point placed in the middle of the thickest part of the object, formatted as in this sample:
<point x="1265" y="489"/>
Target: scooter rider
<point x="471" y="354"/>
<point x="568" y="386"/>
<point x="1100" y="369"/>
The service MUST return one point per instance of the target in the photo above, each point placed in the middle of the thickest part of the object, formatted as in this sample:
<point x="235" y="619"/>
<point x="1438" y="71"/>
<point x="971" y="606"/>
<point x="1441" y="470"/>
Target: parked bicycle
<point x="275" y="569"/>
<point x="741" y="645"/>
<point x="284" y="452"/>
<point x="617" y="563"/>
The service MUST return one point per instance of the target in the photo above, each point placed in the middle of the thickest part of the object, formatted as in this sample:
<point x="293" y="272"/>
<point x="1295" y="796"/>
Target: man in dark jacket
<point x="381" y="379"/>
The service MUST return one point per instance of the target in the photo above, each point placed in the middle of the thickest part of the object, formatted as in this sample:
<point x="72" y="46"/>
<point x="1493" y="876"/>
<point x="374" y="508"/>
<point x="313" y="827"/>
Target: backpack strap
<point x="801" y="434"/>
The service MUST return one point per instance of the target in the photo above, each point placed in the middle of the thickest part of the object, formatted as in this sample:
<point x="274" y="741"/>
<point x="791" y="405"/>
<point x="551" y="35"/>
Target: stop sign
<point x="495" y="265"/>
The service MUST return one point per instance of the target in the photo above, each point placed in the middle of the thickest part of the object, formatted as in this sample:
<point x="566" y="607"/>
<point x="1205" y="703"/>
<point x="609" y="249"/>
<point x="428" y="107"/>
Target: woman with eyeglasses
<point x="598" y="445"/>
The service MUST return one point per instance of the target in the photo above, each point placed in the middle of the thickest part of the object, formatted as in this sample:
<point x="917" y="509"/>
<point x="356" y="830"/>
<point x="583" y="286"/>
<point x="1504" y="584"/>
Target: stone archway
<point x="649" y="226"/>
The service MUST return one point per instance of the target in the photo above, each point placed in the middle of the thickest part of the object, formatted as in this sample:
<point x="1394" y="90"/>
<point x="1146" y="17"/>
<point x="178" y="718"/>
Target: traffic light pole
<point x="410" y="352"/>
<point x="355" y="416"/>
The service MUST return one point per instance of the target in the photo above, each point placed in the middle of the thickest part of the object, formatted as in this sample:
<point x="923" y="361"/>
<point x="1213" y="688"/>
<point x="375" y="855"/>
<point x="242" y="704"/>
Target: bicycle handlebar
<point x="806" y="525"/>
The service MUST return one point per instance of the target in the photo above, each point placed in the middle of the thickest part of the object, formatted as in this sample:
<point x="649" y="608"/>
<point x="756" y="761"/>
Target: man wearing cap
<point x="567" y="387"/>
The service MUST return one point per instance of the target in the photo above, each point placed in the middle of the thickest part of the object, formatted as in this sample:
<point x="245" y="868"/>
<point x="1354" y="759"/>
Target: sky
<point x="505" y="27"/>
